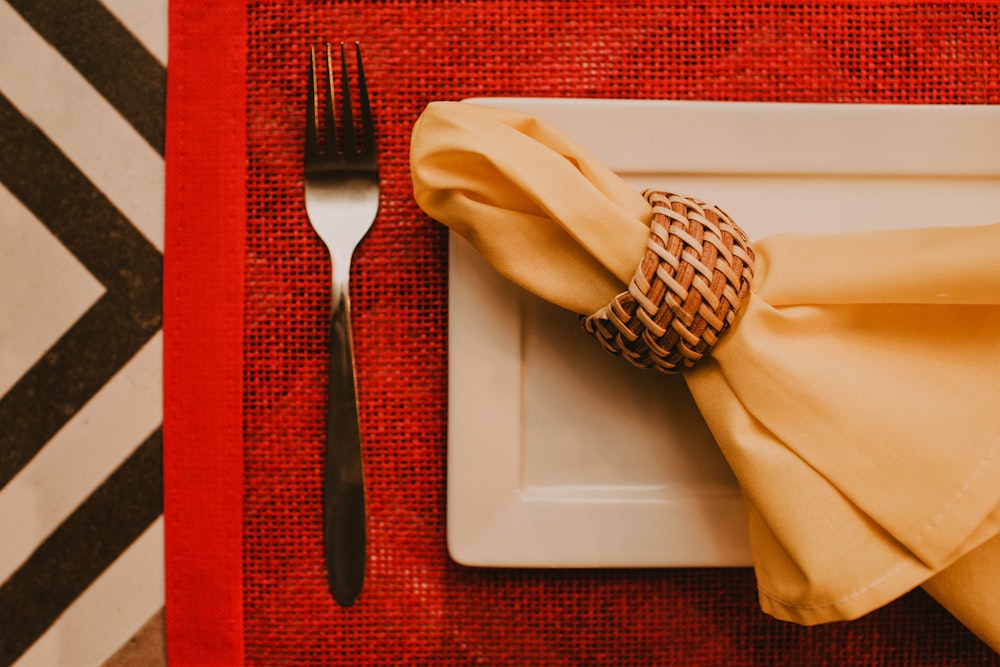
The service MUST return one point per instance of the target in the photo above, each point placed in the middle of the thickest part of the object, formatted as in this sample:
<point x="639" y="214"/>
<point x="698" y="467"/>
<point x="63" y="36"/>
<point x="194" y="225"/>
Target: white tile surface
<point x="82" y="455"/>
<point x="43" y="289"/>
<point x="48" y="90"/>
<point x="108" y="613"/>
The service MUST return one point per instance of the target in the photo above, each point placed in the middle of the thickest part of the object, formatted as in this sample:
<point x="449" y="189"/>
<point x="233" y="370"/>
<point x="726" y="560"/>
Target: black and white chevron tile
<point x="82" y="109"/>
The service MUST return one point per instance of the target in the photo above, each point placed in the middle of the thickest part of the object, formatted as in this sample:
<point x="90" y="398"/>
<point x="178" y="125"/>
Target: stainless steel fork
<point x="342" y="197"/>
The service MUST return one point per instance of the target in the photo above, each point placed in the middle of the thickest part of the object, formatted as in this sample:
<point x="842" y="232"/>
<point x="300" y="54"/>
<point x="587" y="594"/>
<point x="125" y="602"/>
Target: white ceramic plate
<point x="548" y="466"/>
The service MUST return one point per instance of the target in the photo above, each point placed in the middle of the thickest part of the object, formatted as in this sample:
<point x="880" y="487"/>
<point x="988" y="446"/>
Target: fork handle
<point x="345" y="529"/>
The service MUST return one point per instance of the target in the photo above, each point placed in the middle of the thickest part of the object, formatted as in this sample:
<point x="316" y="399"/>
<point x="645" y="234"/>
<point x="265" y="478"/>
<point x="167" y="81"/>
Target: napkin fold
<point x="854" y="398"/>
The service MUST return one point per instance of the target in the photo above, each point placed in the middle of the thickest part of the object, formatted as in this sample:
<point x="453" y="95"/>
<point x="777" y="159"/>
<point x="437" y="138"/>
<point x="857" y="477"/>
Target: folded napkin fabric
<point x="854" y="396"/>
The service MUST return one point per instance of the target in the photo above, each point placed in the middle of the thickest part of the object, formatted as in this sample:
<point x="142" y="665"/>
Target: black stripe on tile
<point x="81" y="548"/>
<point x="39" y="174"/>
<point x="108" y="56"/>
<point x="75" y="368"/>
<point x="116" y="326"/>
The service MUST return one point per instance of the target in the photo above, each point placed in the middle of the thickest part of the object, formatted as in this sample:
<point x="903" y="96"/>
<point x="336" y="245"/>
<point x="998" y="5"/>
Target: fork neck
<point x="340" y="297"/>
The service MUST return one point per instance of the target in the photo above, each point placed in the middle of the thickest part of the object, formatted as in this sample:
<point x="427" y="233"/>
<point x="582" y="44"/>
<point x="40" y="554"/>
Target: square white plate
<point x="551" y="461"/>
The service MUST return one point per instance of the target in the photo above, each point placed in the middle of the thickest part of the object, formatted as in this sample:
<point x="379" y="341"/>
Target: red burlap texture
<point x="418" y="607"/>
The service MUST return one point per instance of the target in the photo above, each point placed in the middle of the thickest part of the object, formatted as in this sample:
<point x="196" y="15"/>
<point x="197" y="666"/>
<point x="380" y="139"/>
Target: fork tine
<point x="346" y="112"/>
<point x="367" y="126"/>
<point x="324" y="140"/>
<point x="330" y="116"/>
<point x="312" y="148"/>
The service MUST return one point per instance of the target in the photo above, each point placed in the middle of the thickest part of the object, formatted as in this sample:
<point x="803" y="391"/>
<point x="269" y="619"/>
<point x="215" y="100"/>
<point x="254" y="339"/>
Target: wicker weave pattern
<point x="686" y="292"/>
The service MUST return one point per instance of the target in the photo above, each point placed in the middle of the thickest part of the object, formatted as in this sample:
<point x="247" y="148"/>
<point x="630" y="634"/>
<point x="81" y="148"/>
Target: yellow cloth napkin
<point x="855" y="398"/>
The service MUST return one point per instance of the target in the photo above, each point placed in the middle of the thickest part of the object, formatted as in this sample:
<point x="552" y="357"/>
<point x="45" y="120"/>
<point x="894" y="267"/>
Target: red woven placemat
<point x="418" y="607"/>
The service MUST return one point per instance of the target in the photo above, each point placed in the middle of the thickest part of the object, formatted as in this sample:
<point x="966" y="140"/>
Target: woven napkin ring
<point x="686" y="292"/>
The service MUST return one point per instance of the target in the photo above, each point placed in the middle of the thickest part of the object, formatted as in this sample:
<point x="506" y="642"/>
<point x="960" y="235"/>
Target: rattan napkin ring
<point x="687" y="291"/>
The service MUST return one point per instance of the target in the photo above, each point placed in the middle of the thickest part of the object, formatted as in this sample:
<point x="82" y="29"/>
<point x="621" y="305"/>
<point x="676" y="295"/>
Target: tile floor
<point x="82" y="112"/>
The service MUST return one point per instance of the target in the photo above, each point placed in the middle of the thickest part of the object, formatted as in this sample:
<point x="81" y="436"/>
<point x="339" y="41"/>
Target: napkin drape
<point x="854" y="398"/>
